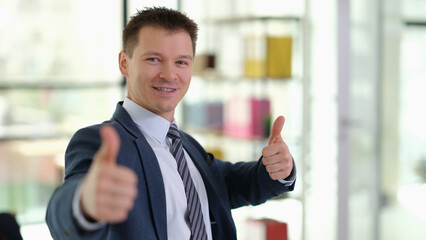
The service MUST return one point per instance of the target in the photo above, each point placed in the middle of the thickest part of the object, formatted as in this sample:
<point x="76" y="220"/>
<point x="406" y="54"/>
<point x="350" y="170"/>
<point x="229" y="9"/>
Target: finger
<point x="112" y="215"/>
<point x="119" y="174"/>
<point x="279" y="175"/>
<point x="279" y="170"/>
<point x="119" y="194"/>
<point x="110" y="145"/>
<point x="118" y="191"/>
<point x="115" y="193"/>
<point x="115" y="198"/>
<point x="116" y="202"/>
<point x="118" y="181"/>
<point x="278" y="167"/>
<point x="275" y="149"/>
<point x="277" y="127"/>
<point x="282" y="158"/>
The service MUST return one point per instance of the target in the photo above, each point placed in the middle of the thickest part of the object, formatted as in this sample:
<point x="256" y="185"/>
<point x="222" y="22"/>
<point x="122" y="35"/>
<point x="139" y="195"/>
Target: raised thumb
<point x="110" y="145"/>
<point x="277" y="127"/>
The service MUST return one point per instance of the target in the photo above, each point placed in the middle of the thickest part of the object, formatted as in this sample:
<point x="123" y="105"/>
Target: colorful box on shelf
<point x="217" y="152"/>
<point x="278" y="57"/>
<point x="268" y="57"/>
<point x="254" y="57"/>
<point x="204" y="115"/>
<point x="266" y="229"/>
<point x="247" y="117"/>
<point x="203" y="63"/>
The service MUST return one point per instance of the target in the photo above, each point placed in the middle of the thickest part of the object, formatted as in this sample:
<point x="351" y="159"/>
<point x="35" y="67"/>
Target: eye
<point x="152" y="59"/>
<point x="182" y="63"/>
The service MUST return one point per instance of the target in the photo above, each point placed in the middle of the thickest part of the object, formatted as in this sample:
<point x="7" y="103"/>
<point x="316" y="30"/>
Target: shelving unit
<point x="221" y="86"/>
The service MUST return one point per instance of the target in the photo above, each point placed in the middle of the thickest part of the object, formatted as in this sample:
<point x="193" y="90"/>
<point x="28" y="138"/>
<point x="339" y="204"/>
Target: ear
<point x="123" y="63"/>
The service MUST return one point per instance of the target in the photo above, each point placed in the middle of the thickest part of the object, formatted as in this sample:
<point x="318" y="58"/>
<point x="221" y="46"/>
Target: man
<point x="129" y="178"/>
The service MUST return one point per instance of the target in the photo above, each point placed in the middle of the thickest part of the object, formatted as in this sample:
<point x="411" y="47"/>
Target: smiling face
<point x="159" y="72"/>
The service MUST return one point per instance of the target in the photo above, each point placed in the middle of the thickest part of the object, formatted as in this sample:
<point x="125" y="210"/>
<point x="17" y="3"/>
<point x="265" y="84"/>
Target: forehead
<point x="155" y="38"/>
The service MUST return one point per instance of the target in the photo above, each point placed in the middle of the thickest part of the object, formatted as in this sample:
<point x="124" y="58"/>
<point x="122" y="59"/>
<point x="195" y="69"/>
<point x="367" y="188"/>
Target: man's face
<point x="159" y="72"/>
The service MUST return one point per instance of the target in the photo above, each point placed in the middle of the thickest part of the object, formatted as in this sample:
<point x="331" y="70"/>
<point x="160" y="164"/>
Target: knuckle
<point x="273" y="176"/>
<point x="268" y="169"/>
<point x="288" y="156"/>
<point x="134" y="193"/>
<point x="129" y="205"/>
<point x="99" y="201"/>
<point x="264" y="150"/>
<point x="134" y="179"/>
<point x="121" y="215"/>
<point x="100" y="187"/>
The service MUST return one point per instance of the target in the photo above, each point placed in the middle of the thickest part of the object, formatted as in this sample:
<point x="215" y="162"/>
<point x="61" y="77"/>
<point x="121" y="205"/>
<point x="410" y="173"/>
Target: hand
<point x="108" y="190"/>
<point x="276" y="156"/>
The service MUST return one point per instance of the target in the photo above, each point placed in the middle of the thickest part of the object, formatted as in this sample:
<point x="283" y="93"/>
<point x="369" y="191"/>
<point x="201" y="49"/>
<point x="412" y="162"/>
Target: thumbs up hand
<point x="276" y="156"/>
<point x="108" y="190"/>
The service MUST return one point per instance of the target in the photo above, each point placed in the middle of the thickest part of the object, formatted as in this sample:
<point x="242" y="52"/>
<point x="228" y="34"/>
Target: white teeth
<point x="165" y="89"/>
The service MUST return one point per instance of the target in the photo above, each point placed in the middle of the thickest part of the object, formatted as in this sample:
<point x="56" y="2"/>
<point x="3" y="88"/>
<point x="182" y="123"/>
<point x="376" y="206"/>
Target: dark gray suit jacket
<point x="228" y="185"/>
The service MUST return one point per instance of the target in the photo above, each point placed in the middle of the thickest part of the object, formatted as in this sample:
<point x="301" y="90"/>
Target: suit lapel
<point x="220" y="215"/>
<point x="212" y="189"/>
<point x="151" y="170"/>
<point x="155" y="185"/>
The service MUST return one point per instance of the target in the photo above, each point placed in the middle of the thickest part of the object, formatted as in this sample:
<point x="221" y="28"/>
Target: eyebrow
<point x="148" y="53"/>
<point x="189" y="57"/>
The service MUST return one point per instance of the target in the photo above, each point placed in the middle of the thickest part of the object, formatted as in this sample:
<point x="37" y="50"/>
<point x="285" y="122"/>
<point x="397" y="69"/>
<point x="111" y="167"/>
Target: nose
<point x="168" y="72"/>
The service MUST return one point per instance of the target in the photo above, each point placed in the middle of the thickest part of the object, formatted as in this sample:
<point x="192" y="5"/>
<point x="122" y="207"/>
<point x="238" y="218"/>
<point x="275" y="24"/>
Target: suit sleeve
<point x="247" y="183"/>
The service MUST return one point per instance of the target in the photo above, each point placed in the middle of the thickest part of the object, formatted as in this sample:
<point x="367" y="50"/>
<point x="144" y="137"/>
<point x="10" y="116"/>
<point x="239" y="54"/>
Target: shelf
<point x="210" y="75"/>
<point x="49" y="84"/>
<point x="220" y="134"/>
<point x="240" y="19"/>
<point x="29" y="132"/>
<point x="415" y="22"/>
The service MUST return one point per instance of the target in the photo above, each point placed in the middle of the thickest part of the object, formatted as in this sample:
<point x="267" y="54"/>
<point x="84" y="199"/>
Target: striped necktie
<point x="196" y="220"/>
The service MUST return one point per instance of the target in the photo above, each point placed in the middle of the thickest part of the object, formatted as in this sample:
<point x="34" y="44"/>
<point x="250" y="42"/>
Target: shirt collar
<point x="149" y="122"/>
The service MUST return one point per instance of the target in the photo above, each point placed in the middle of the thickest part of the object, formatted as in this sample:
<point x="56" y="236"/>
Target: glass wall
<point x="320" y="189"/>
<point x="58" y="72"/>
<point x="367" y="55"/>
<point x="403" y="216"/>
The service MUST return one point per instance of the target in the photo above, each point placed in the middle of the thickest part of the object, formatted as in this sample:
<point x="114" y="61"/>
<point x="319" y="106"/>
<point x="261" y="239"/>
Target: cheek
<point x="186" y="87"/>
<point x="143" y="78"/>
<point x="186" y="78"/>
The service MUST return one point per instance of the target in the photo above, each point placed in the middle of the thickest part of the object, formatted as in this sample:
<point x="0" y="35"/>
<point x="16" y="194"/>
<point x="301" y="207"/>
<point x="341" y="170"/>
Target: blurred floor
<point x="35" y="232"/>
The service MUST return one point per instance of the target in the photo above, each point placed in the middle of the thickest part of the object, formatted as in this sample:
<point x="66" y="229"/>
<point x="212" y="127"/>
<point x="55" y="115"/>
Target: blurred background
<point x="349" y="76"/>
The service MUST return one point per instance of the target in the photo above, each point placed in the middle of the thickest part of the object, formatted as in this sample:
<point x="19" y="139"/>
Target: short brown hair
<point x="161" y="17"/>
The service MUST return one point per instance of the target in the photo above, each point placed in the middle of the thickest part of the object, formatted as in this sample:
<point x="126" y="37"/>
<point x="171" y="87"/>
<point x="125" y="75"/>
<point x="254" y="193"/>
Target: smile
<point x="164" y="89"/>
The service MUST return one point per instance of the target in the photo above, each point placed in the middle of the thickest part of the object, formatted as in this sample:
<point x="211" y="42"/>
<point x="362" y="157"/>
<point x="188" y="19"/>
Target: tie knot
<point x="173" y="132"/>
